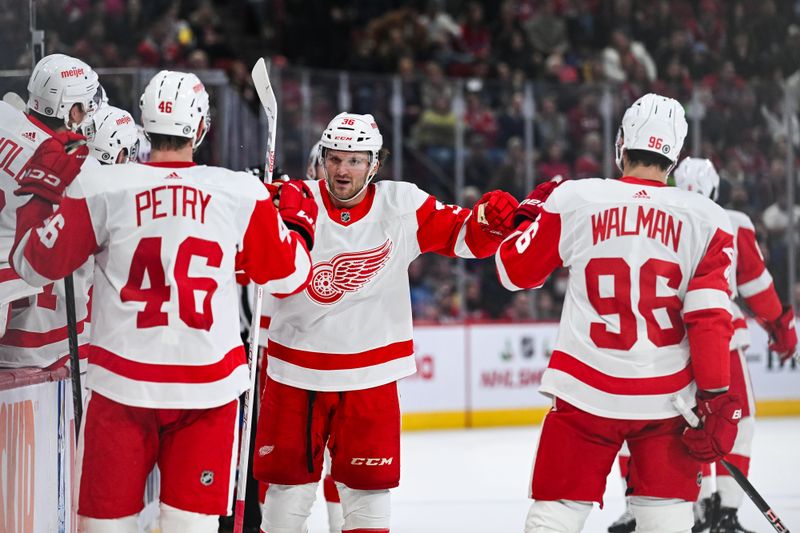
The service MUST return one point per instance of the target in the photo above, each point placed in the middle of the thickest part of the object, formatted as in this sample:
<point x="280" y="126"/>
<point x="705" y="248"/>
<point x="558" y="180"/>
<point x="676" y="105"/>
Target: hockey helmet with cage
<point x="58" y="82"/>
<point x="175" y="103"/>
<point x="109" y="131"/>
<point x="698" y="175"/>
<point x="653" y="123"/>
<point x="351" y="132"/>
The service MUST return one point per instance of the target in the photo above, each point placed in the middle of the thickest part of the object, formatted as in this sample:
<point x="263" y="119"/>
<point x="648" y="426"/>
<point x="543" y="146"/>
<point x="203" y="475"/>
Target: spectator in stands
<point x="475" y="36"/>
<point x="435" y="131"/>
<point x="554" y="164"/>
<point x="434" y="85"/>
<point x="511" y="122"/>
<point x="520" y="309"/>
<point x="621" y="52"/>
<point x="585" y="117"/>
<point x="511" y="175"/>
<point x="547" y="33"/>
<point x="551" y="125"/>
<point x="479" y="118"/>
<point x="478" y="166"/>
<point x="589" y="163"/>
<point x="776" y="216"/>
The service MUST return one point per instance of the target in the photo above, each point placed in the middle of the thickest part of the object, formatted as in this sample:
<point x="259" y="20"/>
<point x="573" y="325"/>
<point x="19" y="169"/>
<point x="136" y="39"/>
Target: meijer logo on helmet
<point x="123" y="120"/>
<point x="74" y="72"/>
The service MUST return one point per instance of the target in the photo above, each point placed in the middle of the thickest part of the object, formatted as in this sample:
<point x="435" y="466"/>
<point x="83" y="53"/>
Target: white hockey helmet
<point x="654" y="123"/>
<point x="698" y="175"/>
<point x="58" y="82"/>
<point x="314" y="159"/>
<point x="174" y="103"/>
<point x="351" y="132"/>
<point x="109" y="131"/>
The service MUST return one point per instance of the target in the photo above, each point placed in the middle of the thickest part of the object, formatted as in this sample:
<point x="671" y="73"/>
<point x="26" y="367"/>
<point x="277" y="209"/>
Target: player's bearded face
<point x="346" y="172"/>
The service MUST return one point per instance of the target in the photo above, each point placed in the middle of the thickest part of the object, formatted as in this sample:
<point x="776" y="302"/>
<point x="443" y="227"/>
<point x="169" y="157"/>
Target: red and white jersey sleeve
<point x="351" y="327"/>
<point x="648" y="280"/>
<point x="167" y="240"/>
<point x="751" y="281"/>
<point x="20" y="135"/>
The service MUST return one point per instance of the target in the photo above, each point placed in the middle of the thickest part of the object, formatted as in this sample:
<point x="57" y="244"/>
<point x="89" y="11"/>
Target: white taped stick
<point x="686" y="412"/>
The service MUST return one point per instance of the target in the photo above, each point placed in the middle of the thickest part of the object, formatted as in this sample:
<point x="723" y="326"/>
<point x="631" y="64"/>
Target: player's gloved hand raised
<point x="53" y="166"/>
<point x="783" y="335"/>
<point x="298" y="209"/>
<point x="531" y="206"/>
<point x="719" y="416"/>
<point x="495" y="212"/>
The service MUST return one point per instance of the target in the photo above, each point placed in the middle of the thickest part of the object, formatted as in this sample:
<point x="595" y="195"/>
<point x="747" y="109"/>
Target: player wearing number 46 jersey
<point x="646" y="317"/>
<point x="166" y="364"/>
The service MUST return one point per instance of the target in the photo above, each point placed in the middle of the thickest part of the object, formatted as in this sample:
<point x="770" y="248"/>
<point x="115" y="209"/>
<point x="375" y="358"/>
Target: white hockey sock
<point x="562" y="516"/>
<point x="660" y="515"/>
<point x="287" y="508"/>
<point x="126" y="524"/>
<point x="173" y="520"/>
<point x="365" y="509"/>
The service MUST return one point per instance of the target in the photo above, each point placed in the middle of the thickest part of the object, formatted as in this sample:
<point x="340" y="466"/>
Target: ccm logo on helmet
<point x="342" y="138"/>
<point x="123" y="120"/>
<point x="73" y="72"/>
<point x="371" y="461"/>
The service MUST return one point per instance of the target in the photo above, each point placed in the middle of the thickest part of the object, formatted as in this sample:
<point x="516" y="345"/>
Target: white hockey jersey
<point x="648" y="285"/>
<point x="36" y="332"/>
<point x="351" y="327"/>
<point x="167" y="239"/>
<point x="20" y="135"/>
<point x="750" y="280"/>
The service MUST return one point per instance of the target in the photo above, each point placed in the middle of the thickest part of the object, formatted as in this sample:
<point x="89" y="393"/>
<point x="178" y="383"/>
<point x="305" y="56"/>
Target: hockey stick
<point x="267" y="97"/>
<point x="735" y="473"/>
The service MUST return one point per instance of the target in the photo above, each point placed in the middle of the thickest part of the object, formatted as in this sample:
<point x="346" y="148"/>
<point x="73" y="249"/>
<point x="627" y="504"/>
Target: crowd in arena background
<point x="739" y="57"/>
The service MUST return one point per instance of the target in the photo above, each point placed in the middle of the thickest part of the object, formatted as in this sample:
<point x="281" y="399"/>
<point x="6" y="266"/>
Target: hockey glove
<point x="495" y="212"/>
<point x="531" y="206"/>
<point x="783" y="334"/>
<point x="298" y="209"/>
<point x="53" y="166"/>
<point x="719" y="416"/>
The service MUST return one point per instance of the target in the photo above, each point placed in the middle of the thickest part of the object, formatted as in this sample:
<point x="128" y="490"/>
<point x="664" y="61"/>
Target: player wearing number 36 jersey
<point x="166" y="365"/>
<point x="646" y="316"/>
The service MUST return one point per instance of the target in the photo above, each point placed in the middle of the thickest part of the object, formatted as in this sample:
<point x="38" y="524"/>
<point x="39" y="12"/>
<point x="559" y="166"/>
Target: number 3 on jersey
<point x="147" y="260"/>
<point x="620" y="302"/>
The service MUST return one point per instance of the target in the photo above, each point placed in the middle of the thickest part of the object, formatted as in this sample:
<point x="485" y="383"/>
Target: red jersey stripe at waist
<point x="8" y="274"/>
<point x="265" y="321"/>
<point x="617" y="385"/>
<point x="36" y="339"/>
<point x="341" y="361"/>
<point x="165" y="373"/>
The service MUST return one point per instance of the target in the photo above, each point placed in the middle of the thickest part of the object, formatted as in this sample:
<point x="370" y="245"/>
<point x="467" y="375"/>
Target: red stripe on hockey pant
<point x="705" y="468"/>
<point x="614" y="385"/>
<point x="330" y="490"/>
<point x="738" y="384"/>
<point x="740" y="323"/>
<point x="37" y="339"/>
<point x="739" y="461"/>
<point x="366" y="530"/>
<point x="168" y="373"/>
<point x="624" y="461"/>
<point x="333" y="361"/>
<point x="262" y="491"/>
<point x="265" y="321"/>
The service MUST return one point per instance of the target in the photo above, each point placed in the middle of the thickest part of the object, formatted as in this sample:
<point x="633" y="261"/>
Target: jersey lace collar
<point x="172" y="164"/>
<point x="347" y="215"/>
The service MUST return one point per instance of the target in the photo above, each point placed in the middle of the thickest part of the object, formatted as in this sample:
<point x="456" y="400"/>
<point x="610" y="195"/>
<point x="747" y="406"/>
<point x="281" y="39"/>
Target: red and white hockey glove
<point x="53" y="166"/>
<point x="531" y="206"/>
<point x="719" y="416"/>
<point x="782" y="334"/>
<point x="298" y="209"/>
<point x="495" y="212"/>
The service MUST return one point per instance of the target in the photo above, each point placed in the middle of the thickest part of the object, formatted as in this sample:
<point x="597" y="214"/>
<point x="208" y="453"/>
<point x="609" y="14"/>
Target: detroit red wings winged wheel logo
<point x="346" y="272"/>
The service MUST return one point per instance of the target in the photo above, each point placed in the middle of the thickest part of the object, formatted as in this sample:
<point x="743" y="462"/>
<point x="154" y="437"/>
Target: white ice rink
<point x="475" y="481"/>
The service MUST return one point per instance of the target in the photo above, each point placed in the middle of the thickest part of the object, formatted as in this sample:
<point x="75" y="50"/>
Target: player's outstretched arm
<point x="458" y="232"/>
<point x="530" y="254"/>
<point x="754" y="284"/>
<point x="49" y="246"/>
<point x="274" y="255"/>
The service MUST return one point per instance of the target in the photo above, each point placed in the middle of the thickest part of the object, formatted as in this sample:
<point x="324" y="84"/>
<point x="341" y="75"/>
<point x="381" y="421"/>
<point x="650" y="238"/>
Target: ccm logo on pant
<point x="371" y="461"/>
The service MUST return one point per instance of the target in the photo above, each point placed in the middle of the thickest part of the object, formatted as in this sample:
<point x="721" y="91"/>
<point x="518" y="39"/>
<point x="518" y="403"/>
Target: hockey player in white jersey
<point x="166" y="365"/>
<point x="646" y="317"/>
<point x="337" y="349"/>
<point x="37" y="333"/>
<point x="751" y="282"/>
<point x="62" y="92"/>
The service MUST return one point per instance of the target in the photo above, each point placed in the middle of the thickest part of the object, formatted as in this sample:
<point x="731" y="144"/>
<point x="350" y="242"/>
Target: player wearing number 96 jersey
<point x="646" y="316"/>
<point x="166" y="365"/>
